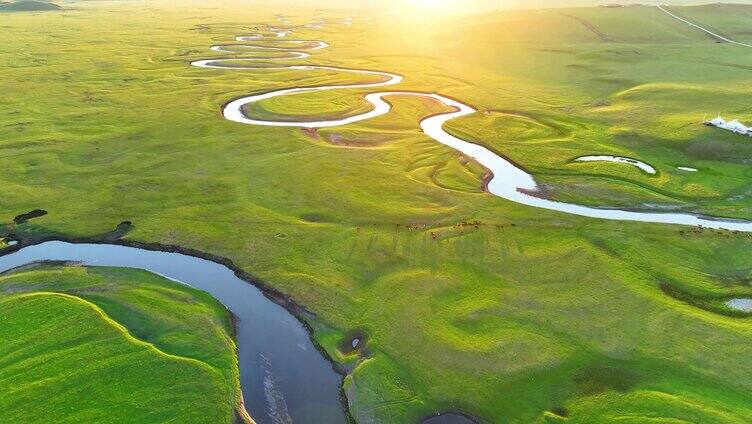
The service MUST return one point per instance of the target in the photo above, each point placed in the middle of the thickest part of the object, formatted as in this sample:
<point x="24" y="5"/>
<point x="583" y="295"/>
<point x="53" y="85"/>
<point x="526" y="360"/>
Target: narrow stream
<point x="509" y="181"/>
<point x="284" y="378"/>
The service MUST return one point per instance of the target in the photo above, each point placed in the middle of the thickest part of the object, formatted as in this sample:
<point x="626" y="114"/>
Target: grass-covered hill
<point x="112" y="345"/>
<point x="28" y="6"/>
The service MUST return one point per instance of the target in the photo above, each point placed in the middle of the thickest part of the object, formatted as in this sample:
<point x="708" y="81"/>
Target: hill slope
<point x="28" y="6"/>
<point x="81" y="344"/>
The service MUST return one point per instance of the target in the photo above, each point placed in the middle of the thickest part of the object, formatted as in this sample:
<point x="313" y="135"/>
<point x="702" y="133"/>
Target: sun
<point x="433" y="6"/>
<point x="433" y="3"/>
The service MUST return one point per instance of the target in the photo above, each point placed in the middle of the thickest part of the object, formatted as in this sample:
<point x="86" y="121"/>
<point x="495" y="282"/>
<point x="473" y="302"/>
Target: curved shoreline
<point x="509" y="181"/>
<point x="296" y="310"/>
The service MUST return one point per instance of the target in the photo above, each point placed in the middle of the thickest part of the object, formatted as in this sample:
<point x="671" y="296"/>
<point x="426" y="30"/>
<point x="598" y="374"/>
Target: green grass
<point x="113" y="345"/>
<point x="307" y="107"/>
<point x="729" y="20"/>
<point x="526" y="313"/>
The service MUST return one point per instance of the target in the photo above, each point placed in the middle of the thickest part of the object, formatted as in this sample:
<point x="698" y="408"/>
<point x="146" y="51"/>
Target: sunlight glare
<point x="433" y="6"/>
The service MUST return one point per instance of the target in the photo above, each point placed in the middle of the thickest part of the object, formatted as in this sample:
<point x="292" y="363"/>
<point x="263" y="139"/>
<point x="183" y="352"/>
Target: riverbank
<point x="257" y="323"/>
<point x="114" y="334"/>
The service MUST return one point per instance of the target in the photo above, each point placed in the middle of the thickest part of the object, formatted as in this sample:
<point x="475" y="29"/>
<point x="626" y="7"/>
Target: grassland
<point x="113" y="345"/>
<point x="524" y="315"/>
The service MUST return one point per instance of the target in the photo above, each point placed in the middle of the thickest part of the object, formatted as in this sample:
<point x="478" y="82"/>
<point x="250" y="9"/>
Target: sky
<point x="470" y="6"/>
<point x="529" y="4"/>
<point x="431" y="8"/>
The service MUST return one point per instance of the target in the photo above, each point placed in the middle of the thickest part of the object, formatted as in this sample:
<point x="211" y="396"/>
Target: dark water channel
<point x="284" y="378"/>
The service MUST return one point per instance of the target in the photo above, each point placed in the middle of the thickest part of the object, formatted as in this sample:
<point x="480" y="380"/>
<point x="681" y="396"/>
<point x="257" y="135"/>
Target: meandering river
<point x="283" y="376"/>
<point x="509" y="181"/>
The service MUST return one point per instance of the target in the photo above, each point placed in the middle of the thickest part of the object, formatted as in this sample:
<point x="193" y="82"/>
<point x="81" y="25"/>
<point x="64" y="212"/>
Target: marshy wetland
<point x="431" y="284"/>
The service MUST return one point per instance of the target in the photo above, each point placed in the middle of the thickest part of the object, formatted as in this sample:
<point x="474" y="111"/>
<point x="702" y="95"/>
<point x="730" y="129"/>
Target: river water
<point x="284" y="378"/>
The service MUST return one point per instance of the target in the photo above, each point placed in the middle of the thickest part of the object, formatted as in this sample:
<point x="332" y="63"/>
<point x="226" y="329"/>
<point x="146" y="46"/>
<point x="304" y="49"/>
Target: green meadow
<point x="469" y="302"/>
<point x="113" y="345"/>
